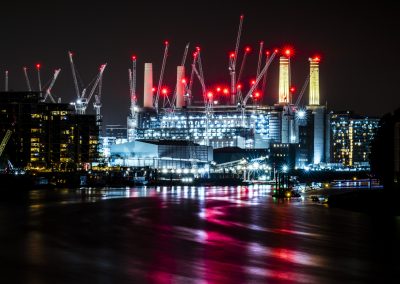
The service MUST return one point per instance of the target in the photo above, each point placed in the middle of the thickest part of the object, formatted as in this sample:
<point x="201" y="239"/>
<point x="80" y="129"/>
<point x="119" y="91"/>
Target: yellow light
<point x="283" y="79"/>
<point x="314" y="82"/>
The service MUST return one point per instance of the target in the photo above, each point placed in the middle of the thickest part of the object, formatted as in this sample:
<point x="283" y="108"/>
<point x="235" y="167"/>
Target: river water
<point x="191" y="235"/>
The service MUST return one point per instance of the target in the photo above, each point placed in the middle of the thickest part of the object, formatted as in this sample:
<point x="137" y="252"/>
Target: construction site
<point x="183" y="125"/>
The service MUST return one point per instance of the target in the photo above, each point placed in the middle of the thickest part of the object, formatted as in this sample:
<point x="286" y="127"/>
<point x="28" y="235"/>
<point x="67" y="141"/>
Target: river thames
<point x="191" y="235"/>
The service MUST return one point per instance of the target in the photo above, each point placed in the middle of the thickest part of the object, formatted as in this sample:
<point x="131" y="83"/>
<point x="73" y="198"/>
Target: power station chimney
<point x="283" y="80"/>
<point x="148" y="86"/>
<point x="180" y="86"/>
<point x="314" y="81"/>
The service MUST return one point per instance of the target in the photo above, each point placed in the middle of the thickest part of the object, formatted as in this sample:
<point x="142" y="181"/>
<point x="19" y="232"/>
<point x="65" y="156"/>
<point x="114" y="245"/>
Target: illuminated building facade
<point x="314" y="81"/>
<point x="162" y="154"/>
<point x="284" y="80"/>
<point x="46" y="135"/>
<point x="226" y="126"/>
<point x="350" y="138"/>
<point x="117" y="131"/>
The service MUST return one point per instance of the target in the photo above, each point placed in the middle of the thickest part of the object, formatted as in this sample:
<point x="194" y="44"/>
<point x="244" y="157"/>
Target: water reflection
<point x="189" y="234"/>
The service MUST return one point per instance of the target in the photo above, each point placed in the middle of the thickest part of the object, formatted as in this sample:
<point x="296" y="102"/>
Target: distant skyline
<point x="358" y="44"/>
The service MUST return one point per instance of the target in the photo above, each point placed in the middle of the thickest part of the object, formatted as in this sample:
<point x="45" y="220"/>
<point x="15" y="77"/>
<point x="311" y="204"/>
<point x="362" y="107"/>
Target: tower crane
<point x="6" y="81"/>
<point x="97" y="104"/>
<point x="133" y="111"/>
<point x="38" y="75"/>
<point x="83" y="99"/>
<point x="260" y="55"/>
<point x="245" y="53"/>
<point x="48" y="90"/>
<point x="302" y="91"/>
<point x="132" y="86"/>
<point x="232" y="63"/>
<point x="190" y="86"/>
<point x="161" y="75"/>
<point x="207" y="96"/>
<point x="28" y="83"/>
<point x="264" y="79"/>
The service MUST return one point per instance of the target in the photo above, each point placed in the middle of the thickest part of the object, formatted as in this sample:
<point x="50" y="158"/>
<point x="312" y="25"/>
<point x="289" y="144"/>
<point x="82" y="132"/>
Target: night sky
<point x="358" y="43"/>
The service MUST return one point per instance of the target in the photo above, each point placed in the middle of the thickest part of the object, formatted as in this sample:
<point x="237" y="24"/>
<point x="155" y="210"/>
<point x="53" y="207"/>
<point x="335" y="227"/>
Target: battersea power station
<point x="229" y="124"/>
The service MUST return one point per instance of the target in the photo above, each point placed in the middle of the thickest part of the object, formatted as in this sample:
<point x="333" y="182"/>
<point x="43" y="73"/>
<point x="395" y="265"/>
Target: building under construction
<point x="234" y="123"/>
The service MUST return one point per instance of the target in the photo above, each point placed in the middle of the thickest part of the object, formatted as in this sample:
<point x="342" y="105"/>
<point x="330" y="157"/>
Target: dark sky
<point x="358" y="42"/>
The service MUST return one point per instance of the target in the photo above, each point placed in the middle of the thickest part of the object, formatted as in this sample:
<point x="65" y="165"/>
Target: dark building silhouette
<point x="46" y="135"/>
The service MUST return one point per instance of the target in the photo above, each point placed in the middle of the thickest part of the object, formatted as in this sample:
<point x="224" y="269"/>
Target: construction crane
<point x="133" y="113"/>
<point x="38" y="75"/>
<point x="302" y="91"/>
<point x="83" y="99"/>
<point x="6" y="81"/>
<point x="161" y="76"/>
<point x="71" y="61"/>
<point x="132" y="86"/>
<point x="207" y="96"/>
<point x="48" y="90"/>
<point x="245" y="53"/>
<point x="232" y="63"/>
<point x="257" y="81"/>
<point x="260" y="55"/>
<point x="264" y="79"/>
<point x="97" y="104"/>
<point x="28" y="83"/>
<point x="5" y="141"/>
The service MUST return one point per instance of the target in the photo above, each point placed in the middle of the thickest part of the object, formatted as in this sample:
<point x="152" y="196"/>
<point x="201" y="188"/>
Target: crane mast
<point x="133" y="114"/>
<point x="38" y="75"/>
<point x="161" y="75"/>
<point x="132" y="85"/>
<point x="71" y="60"/>
<point x="246" y="52"/>
<point x="6" y="81"/>
<point x="232" y="63"/>
<point x="28" y="83"/>
<point x="260" y="57"/>
<point x="264" y="79"/>
<point x="48" y="90"/>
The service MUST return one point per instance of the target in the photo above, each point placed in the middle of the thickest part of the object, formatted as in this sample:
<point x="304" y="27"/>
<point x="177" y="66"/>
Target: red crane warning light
<point x="153" y="89"/>
<point x="232" y="55"/>
<point x="164" y="91"/>
<point x="252" y="82"/>
<point x="38" y="66"/>
<point x="210" y="95"/>
<point x="218" y="89"/>
<point x="317" y="58"/>
<point x="183" y="81"/>
<point x="256" y="95"/>
<point x="247" y="49"/>
<point x="226" y="91"/>
<point x="288" y="51"/>
<point x="292" y="89"/>
<point x="133" y="57"/>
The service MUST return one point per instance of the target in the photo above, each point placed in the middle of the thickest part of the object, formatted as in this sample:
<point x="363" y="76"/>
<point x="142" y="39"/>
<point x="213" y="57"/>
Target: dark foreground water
<point x="191" y="235"/>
